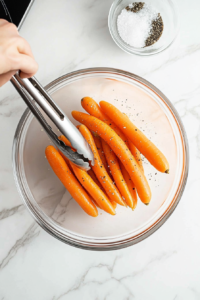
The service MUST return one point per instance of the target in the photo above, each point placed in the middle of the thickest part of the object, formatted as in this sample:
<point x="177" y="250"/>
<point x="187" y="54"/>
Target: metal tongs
<point x="35" y="95"/>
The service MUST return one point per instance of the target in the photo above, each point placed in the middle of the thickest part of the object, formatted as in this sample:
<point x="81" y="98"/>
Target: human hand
<point x="15" y="54"/>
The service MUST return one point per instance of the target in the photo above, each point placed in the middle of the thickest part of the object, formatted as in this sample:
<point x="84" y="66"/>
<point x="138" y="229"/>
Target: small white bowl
<point x="169" y="13"/>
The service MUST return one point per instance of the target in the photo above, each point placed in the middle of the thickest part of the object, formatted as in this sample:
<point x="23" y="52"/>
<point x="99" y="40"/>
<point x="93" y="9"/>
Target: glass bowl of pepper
<point x="143" y="28"/>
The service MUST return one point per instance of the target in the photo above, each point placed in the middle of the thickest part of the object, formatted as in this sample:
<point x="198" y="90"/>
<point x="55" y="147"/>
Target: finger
<point x="3" y="22"/>
<point x="6" y="77"/>
<point x="27" y="65"/>
<point x="26" y="75"/>
<point x="9" y="26"/>
<point x="23" y="47"/>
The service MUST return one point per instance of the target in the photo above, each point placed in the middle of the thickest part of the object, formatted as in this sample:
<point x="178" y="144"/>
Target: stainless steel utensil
<point x="34" y="94"/>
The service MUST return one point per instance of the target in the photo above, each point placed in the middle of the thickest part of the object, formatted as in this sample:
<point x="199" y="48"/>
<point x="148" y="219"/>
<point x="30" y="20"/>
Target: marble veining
<point x="31" y="233"/>
<point x="66" y="36"/>
<point x="91" y="277"/>
<point x="5" y="213"/>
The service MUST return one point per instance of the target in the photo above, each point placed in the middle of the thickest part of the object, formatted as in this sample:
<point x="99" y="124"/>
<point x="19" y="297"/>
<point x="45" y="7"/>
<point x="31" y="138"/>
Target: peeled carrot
<point x="114" y="204"/>
<point x="94" y="109"/>
<point x="142" y="143"/>
<point x="98" y="144"/>
<point x="94" y="178"/>
<point x="66" y="160"/>
<point x="121" y="150"/>
<point x="66" y="141"/>
<point x="100" y="171"/>
<point x="136" y="154"/>
<point x="92" y="175"/>
<point x="62" y="171"/>
<point x="93" y="189"/>
<point x="130" y="185"/>
<point x="117" y="174"/>
<point x="90" y="172"/>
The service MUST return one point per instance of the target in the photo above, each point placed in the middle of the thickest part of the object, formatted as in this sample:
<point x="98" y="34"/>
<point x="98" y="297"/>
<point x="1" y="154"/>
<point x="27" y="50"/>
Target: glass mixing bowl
<point x="169" y="13"/>
<point x="49" y="202"/>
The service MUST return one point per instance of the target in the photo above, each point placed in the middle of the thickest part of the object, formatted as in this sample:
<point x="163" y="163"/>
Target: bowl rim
<point x="109" y="245"/>
<point x="134" y="50"/>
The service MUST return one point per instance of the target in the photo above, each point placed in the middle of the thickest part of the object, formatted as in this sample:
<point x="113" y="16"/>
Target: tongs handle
<point x="31" y="89"/>
<point x="36" y="83"/>
<point x="33" y="108"/>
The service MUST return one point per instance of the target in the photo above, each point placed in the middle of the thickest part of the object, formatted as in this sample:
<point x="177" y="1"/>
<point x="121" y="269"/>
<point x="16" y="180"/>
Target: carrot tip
<point x="146" y="203"/>
<point x="167" y="171"/>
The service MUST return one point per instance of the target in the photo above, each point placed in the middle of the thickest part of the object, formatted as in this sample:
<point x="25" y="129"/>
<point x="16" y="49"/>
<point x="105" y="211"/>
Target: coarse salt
<point x="135" y="28"/>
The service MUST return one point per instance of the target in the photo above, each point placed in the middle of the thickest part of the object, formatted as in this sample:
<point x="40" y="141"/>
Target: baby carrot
<point x="93" y="189"/>
<point x="94" y="109"/>
<point x="117" y="174"/>
<point x="130" y="185"/>
<point x="92" y="175"/>
<point x="136" y="154"/>
<point x="94" y="178"/>
<point x="121" y="150"/>
<point x="90" y="172"/>
<point x="114" y="204"/>
<point x="142" y="143"/>
<point x="66" y="141"/>
<point x="66" y="160"/>
<point x="99" y="169"/>
<point x="62" y="171"/>
<point x="98" y="144"/>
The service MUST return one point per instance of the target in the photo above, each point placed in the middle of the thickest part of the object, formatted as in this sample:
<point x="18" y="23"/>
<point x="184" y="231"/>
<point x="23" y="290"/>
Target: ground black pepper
<point x="137" y="6"/>
<point x="156" y="31"/>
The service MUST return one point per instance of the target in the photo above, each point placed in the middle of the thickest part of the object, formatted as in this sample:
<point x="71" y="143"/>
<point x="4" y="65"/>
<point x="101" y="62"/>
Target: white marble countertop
<point x="69" y="35"/>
